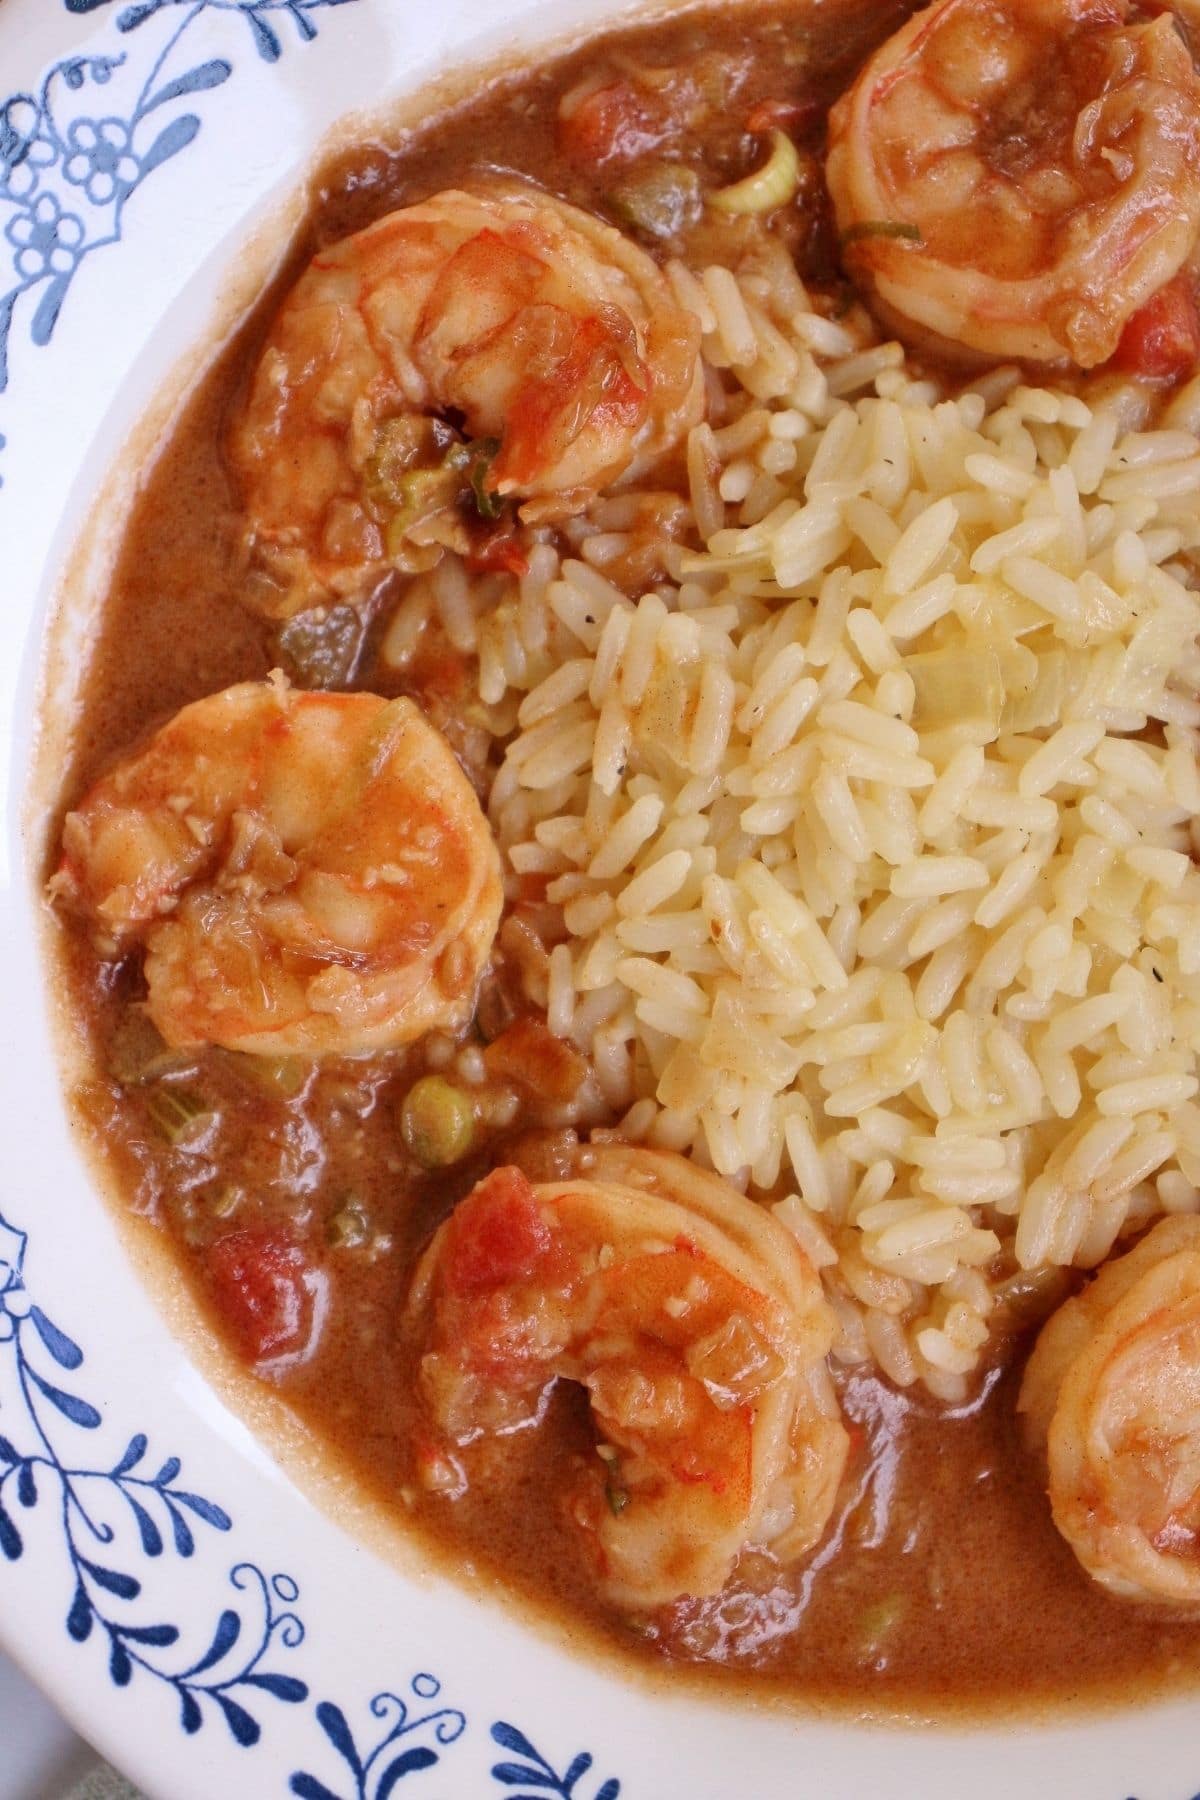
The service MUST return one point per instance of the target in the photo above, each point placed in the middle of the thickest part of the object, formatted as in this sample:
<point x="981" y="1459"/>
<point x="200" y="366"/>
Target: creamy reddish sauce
<point x="942" y="1580"/>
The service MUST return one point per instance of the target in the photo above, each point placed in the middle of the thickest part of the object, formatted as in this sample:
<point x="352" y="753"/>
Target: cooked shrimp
<point x="537" y="326"/>
<point x="1111" y="1395"/>
<point x="697" y="1327"/>
<point x="308" y="873"/>
<point x="1019" y="177"/>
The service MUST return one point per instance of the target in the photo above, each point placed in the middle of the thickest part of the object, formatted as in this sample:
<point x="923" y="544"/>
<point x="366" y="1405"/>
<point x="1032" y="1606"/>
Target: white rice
<point x="873" y="826"/>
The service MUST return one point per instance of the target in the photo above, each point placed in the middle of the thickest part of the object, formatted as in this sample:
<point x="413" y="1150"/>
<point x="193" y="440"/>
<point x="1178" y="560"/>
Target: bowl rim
<point x="89" y="1356"/>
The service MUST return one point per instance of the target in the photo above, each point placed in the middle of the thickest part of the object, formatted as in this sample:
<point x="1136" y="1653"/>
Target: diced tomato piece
<point x="498" y="1235"/>
<point x="529" y="1053"/>
<point x="1162" y="340"/>
<point x="613" y="123"/>
<point x="258" y="1280"/>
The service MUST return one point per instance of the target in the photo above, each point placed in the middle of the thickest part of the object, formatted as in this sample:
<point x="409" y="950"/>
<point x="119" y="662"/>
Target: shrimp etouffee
<point x="627" y="869"/>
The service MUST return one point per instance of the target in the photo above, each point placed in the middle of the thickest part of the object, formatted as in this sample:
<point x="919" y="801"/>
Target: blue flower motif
<point x="100" y="158"/>
<point x="117" y="1517"/>
<point x="47" y="240"/>
<point x="24" y="148"/>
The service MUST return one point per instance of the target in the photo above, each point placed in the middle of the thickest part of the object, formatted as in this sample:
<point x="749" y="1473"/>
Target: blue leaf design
<point x="168" y="1472"/>
<point x="26" y="1486"/>
<point x="332" y="1721"/>
<point x="522" y="1775"/>
<point x="610" y="1790"/>
<point x="309" y="1788"/>
<point x="6" y="312"/>
<point x="134" y="16"/>
<point x="148" y="1531"/>
<point x="185" y="1543"/>
<point x="119" y="1665"/>
<point x="408" y="1764"/>
<point x="208" y="75"/>
<point x="85" y="6"/>
<point x="80" y="1412"/>
<point x="284" y="1687"/>
<point x="125" y="1587"/>
<point x="170" y="141"/>
<point x="228" y="1631"/>
<point x="79" y="1619"/>
<point x="265" y="41"/>
<point x="160" y="1637"/>
<point x="44" y="321"/>
<point x="63" y="1349"/>
<point x="509" y="1738"/>
<point x="204" y="1509"/>
<point x="190" y="1716"/>
<point x="10" y="1537"/>
<point x="134" y="1452"/>
<point x="245" y="1730"/>
<point x="580" y="1766"/>
<point x="7" y="1453"/>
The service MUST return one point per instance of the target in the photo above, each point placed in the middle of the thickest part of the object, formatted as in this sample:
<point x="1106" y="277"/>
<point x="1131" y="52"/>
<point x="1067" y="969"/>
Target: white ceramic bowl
<point x="163" y="1575"/>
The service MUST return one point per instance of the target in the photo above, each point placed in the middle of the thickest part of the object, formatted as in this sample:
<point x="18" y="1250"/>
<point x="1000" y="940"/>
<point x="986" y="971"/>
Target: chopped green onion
<point x="174" y="1111"/>
<point x="775" y="184"/>
<point x="489" y="505"/>
<point x="225" y="1203"/>
<point x="437" y="1122"/>
<point x="882" y="228"/>
<point x="618" y="1500"/>
<point x="349" y="1227"/>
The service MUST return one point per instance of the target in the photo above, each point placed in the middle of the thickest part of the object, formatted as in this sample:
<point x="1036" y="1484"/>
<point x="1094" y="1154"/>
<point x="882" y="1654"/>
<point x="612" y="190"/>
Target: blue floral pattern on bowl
<point x="72" y="155"/>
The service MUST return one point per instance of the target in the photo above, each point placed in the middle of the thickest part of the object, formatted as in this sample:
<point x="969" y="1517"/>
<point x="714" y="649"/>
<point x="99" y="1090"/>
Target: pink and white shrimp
<point x="699" y="1331"/>
<point x="307" y="873"/>
<point x="538" y="329"/>
<point x="1019" y="178"/>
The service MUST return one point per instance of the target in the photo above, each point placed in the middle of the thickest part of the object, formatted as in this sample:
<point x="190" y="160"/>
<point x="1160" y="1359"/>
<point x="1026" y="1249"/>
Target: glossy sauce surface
<point x="936" y="1585"/>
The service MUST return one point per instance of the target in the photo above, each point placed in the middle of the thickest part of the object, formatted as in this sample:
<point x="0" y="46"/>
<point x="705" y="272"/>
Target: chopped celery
<point x="320" y="648"/>
<point x="283" y="1075"/>
<point x="661" y="199"/>
<point x="175" y="1111"/>
<point x="775" y="184"/>
<point x="882" y="228"/>
<point x="225" y="1202"/>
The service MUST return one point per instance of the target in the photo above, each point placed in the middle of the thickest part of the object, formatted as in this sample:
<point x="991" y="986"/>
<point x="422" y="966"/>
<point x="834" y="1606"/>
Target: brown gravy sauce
<point x="943" y="1583"/>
